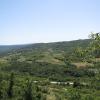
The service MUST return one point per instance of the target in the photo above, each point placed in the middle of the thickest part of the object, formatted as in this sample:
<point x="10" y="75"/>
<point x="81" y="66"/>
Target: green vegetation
<point x="52" y="71"/>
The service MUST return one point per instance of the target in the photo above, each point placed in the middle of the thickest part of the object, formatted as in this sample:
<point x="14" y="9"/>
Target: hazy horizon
<point x="39" y="42"/>
<point x="43" y="21"/>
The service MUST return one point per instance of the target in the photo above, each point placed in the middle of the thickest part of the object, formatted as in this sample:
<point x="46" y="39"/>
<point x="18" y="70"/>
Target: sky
<point x="35" y="21"/>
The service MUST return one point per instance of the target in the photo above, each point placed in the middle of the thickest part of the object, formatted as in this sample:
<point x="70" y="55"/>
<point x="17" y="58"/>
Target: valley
<point x="50" y="71"/>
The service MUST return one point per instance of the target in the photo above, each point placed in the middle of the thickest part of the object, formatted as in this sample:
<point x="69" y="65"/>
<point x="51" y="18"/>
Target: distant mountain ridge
<point x="54" y="46"/>
<point x="6" y="48"/>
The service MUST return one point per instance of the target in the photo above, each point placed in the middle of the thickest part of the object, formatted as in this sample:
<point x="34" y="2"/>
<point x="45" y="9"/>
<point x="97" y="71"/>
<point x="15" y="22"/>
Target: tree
<point x="3" y="90"/>
<point x="89" y="97"/>
<point x="11" y="84"/>
<point x="28" y="91"/>
<point x="76" y="84"/>
<point x="95" y="44"/>
<point x="80" y="53"/>
<point x="92" y="51"/>
<point x="75" y="95"/>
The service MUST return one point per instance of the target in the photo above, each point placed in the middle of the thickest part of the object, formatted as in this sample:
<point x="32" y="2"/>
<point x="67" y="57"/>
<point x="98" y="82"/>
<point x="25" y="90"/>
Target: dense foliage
<point x="56" y="71"/>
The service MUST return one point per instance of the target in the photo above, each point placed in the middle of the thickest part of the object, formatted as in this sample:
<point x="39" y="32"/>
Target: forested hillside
<point x="59" y="46"/>
<point x="53" y="53"/>
<point x="51" y="71"/>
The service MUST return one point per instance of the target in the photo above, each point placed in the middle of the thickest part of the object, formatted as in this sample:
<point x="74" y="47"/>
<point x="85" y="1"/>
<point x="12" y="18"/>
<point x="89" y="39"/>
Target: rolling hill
<point x="52" y="53"/>
<point x="54" y="46"/>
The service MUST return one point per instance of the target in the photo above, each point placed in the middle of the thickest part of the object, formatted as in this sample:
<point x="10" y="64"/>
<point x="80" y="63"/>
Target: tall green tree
<point x="80" y="53"/>
<point x="28" y="92"/>
<point x="11" y="84"/>
<point x="75" y="95"/>
<point x="95" y="44"/>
